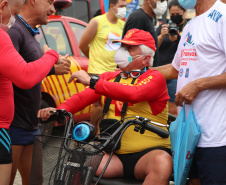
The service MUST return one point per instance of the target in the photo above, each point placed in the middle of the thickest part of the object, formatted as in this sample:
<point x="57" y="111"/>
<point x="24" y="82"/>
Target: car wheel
<point x="45" y="128"/>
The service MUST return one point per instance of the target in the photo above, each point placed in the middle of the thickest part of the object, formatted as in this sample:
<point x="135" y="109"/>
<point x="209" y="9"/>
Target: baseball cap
<point x="138" y="37"/>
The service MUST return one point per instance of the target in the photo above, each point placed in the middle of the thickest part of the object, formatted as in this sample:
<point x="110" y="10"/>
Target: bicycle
<point x="75" y="161"/>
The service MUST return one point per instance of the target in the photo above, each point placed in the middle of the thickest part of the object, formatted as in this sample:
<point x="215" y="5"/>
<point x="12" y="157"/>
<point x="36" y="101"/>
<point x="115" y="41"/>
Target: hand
<point x="45" y="48"/>
<point x="62" y="59"/>
<point x="44" y="114"/>
<point x="63" y="67"/>
<point x="81" y="76"/>
<point x="187" y="94"/>
<point x="164" y="30"/>
<point x="174" y="37"/>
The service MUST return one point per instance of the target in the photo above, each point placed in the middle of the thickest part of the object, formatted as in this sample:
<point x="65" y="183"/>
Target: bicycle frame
<point x="141" y="124"/>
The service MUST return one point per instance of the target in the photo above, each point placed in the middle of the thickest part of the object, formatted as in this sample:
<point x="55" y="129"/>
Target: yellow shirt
<point x="132" y="141"/>
<point x="102" y="50"/>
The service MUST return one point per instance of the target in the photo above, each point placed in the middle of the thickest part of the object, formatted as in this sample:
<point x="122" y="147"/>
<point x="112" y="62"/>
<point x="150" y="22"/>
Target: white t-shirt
<point x="202" y="53"/>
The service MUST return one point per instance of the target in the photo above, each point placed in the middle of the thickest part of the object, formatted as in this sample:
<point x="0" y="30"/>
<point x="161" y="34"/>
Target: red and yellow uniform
<point x="147" y="97"/>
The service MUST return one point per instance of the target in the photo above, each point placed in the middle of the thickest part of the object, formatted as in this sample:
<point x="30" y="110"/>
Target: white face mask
<point x="160" y="8"/>
<point x="121" y="13"/>
<point x="10" y="23"/>
<point x="122" y="57"/>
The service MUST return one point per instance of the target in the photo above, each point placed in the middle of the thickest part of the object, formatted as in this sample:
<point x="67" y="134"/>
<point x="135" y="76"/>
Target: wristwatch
<point x="93" y="81"/>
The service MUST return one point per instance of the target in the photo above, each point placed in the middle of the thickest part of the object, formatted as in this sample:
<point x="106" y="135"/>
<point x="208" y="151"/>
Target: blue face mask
<point x="187" y="4"/>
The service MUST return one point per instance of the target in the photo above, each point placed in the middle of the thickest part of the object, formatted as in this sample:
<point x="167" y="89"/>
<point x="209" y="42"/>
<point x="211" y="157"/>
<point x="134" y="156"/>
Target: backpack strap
<point x="125" y="104"/>
<point x="108" y="100"/>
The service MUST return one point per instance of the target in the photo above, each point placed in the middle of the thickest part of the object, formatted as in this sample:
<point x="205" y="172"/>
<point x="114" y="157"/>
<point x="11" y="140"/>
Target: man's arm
<point x="168" y="71"/>
<point x="87" y="36"/>
<point x="149" y="87"/>
<point x="22" y="74"/>
<point x="74" y="104"/>
<point x="162" y="31"/>
<point x="189" y="92"/>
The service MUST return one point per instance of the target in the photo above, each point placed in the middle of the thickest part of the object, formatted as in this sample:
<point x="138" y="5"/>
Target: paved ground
<point x="17" y="180"/>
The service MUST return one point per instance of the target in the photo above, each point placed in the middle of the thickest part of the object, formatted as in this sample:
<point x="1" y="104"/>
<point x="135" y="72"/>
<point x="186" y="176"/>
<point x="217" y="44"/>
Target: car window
<point x="95" y="8"/>
<point x="78" y="9"/>
<point x="78" y="30"/>
<point x="55" y="37"/>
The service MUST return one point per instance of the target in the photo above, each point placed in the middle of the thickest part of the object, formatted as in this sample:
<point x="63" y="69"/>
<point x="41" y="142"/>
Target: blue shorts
<point x="209" y="165"/>
<point x="21" y="136"/>
<point x="5" y="147"/>
<point x="171" y="86"/>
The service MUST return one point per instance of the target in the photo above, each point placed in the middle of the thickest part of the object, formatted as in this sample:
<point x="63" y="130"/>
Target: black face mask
<point x="176" y="19"/>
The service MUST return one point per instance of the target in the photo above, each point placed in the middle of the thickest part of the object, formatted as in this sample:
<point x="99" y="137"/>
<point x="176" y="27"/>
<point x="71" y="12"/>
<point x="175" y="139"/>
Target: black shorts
<point x="5" y="147"/>
<point x="21" y="136"/>
<point x="209" y="165"/>
<point x="129" y="161"/>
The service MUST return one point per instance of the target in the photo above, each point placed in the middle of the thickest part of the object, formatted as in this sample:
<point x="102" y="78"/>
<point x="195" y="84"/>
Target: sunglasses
<point x="133" y="74"/>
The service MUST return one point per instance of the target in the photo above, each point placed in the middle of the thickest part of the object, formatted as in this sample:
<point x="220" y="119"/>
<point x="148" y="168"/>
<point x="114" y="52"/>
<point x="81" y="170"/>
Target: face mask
<point x="122" y="57"/>
<point x="10" y="23"/>
<point x="121" y="13"/>
<point x="176" y="19"/>
<point x="160" y="8"/>
<point x="187" y="4"/>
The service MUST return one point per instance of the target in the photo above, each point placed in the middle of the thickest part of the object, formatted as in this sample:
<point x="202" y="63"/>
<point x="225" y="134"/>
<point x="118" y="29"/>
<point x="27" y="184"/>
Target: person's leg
<point x="172" y="108"/>
<point x="194" y="182"/>
<point x="193" y="173"/>
<point x="5" y="157"/>
<point x="22" y="140"/>
<point x="24" y="166"/>
<point x="154" y="168"/>
<point x="5" y="171"/>
<point x="114" y="169"/>
<point x="16" y="154"/>
<point x="211" y="164"/>
<point x="96" y="115"/>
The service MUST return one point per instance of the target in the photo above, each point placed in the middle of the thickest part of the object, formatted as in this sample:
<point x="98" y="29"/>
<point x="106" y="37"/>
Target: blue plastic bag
<point x="184" y="136"/>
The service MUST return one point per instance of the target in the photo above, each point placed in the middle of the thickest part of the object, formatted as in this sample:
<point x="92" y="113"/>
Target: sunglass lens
<point x="135" y="74"/>
<point x="124" y="75"/>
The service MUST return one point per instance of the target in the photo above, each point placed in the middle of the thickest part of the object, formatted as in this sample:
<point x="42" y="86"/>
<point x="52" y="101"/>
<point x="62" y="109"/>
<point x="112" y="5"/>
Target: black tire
<point x="46" y="128"/>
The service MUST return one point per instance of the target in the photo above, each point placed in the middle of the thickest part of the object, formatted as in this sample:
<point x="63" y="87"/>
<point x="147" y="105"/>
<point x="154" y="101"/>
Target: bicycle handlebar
<point x="57" y="115"/>
<point x="160" y="132"/>
<point x="141" y="122"/>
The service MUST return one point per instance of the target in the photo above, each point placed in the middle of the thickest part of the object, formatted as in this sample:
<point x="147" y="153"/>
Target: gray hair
<point x="147" y="51"/>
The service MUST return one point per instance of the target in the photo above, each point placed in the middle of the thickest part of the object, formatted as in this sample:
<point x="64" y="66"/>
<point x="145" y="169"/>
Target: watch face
<point x="95" y="77"/>
<point x="93" y="81"/>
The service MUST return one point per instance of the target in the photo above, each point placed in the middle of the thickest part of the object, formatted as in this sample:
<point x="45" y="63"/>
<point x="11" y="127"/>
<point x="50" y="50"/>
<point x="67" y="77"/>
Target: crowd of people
<point x="179" y="63"/>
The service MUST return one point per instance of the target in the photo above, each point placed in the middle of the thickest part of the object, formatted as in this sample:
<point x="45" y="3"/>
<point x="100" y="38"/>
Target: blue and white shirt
<point x="202" y="53"/>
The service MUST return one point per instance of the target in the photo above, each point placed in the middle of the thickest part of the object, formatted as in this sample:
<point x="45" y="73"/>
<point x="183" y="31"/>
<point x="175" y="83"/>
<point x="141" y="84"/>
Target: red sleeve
<point x="80" y="100"/>
<point x="150" y="86"/>
<point x="22" y="74"/>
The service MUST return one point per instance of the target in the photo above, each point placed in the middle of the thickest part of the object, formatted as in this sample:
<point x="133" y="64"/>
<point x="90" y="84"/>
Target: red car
<point x="63" y="34"/>
<point x="83" y="10"/>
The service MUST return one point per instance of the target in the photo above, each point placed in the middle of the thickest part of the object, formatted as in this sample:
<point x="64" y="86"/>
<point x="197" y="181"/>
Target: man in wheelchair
<point x="145" y="156"/>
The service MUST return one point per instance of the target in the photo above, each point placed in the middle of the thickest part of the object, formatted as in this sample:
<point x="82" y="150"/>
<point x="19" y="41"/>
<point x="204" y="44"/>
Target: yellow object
<point x="132" y="141"/>
<point x="58" y="88"/>
<point x="102" y="50"/>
